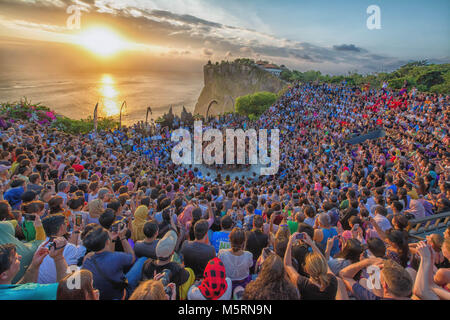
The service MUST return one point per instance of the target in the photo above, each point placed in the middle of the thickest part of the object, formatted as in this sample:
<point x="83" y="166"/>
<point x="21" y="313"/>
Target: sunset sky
<point x="176" y="35"/>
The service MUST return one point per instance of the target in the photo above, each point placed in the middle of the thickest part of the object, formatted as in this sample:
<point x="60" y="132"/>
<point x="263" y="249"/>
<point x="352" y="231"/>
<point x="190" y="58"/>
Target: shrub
<point x="255" y="104"/>
<point x="83" y="126"/>
<point x="26" y="111"/>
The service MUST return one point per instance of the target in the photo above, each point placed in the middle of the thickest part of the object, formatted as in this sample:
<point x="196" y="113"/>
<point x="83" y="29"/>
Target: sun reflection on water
<point x="109" y="95"/>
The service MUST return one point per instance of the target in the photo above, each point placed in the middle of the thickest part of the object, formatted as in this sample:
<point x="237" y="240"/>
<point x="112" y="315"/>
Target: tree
<point x="396" y="83"/>
<point x="430" y="79"/>
<point x="255" y="104"/>
<point x="245" y="61"/>
<point x="286" y="75"/>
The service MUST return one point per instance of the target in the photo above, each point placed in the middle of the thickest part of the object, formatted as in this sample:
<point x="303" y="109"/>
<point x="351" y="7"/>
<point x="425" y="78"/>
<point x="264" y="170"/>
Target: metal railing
<point x="418" y="228"/>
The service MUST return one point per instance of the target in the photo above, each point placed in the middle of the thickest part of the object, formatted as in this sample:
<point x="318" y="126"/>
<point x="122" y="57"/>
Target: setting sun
<point x="102" y="41"/>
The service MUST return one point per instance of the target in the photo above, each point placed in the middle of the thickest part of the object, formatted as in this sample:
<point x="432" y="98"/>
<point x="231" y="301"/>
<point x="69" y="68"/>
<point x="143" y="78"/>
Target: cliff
<point x="227" y="81"/>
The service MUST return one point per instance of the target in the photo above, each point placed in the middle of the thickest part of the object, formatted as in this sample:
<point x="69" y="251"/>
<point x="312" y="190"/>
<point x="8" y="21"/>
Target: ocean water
<point x="75" y="95"/>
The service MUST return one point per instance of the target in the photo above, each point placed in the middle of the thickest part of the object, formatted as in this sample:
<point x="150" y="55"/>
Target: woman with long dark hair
<point x="272" y="283"/>
<point x="398" y="249"/>
<point x="350" y="253"/>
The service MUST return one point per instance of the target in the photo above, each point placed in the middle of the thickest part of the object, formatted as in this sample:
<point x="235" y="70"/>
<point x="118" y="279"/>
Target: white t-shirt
<point x="195" y="294"/>
<point x="92" y="197"/>
<point x="47" y="270"/>
<point x="370" y="203"/>
<point x="236" y="267"/>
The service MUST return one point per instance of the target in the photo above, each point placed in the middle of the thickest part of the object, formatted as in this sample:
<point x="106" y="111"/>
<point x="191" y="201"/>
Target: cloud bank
<point x="186" y="36"/>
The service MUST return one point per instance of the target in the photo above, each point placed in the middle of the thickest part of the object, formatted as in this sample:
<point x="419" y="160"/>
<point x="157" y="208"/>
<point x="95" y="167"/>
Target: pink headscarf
<point x="186" y="215"/>
<point x="130" y="186"/>
<point x="347" y="235"/>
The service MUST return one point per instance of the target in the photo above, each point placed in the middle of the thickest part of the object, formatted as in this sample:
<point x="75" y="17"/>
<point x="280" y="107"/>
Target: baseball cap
<point x="166" y="245"/>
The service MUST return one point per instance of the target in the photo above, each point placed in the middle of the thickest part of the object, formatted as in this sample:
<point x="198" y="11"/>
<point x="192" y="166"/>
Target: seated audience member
<point x="321" y="284"/>
<point x="221" y="239"/>
<point x="237" y="261"/>
<point x="55" y="227"/>
<point x="271" y="283"/>
<point x="214" y="284"/>
<point x="27" y="287"/>
<point x="163" y="264"/>
<point x="197" y="253"/>
<point x="140" y="218"/>
<point x="108" y="267"/>
<point x="68" y="290"/>
<point x="153" y="290"/>
<point x="256" y="239"/>
<point x="147" y="247"/>
<point x="394" y="280"/>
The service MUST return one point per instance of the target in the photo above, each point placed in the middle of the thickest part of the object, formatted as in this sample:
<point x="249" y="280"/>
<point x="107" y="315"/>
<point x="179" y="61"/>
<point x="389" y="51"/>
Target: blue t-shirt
<point x="112" y="266"/>
<point x="329" y="233"/>
<point x="393" y="188"/>
<point x="220" y="240"/>
<point x="28" y="291"/>
<point x="361" y="293"/>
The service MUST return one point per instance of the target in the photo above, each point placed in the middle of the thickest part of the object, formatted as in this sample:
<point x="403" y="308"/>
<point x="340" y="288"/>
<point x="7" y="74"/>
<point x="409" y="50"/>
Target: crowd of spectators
<point x="112" y="210"/>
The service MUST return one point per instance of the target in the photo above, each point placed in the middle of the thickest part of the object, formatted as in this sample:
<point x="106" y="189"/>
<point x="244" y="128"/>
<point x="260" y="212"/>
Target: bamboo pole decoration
<point x="120" y="116"/>
<point x="95" y="118"/>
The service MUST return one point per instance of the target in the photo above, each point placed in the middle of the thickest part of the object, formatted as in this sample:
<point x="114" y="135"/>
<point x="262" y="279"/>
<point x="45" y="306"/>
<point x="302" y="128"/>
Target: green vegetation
<point x="308" y="76"/>
<point x="253" y="105"/>
<point x="242" y="61"/>
<point x="424" y="76"/>
<point x="26" y="111"/>
<point x="245" y="61"/>
<point x="84" y="126"/>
